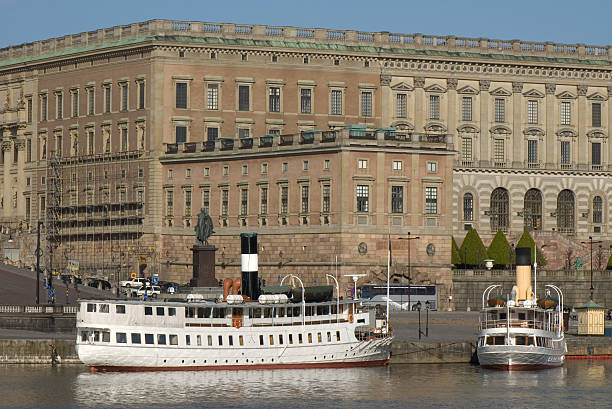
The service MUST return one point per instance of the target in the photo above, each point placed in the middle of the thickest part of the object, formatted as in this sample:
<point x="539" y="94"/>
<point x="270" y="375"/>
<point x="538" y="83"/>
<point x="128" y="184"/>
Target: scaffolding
<point x="94" y="214"/>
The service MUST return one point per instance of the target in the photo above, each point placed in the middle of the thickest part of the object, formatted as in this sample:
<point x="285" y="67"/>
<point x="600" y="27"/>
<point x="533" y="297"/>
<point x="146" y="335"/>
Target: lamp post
<point x="591" y="242"/>
<point x="38" y="262"/>
<point x="409" y="269"/>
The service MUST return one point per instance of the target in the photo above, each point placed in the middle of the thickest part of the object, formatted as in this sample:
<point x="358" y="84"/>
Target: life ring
<point x="350" y="317"/>
<point x="237" y="322"/>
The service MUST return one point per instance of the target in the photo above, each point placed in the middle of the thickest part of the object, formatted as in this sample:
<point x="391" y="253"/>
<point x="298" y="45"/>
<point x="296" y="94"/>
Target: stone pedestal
<point x="204" y="267"/>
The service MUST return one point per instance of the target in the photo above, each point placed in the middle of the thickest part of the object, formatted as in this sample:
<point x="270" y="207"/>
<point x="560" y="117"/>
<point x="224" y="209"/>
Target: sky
<point x="560" y="21"/>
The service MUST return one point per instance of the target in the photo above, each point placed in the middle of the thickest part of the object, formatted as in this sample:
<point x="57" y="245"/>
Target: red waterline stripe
<point x="577" y="357"/>
<point x="239" y="367"/>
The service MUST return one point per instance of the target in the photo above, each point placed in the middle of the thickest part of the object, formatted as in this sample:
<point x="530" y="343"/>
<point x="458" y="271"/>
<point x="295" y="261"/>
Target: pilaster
<point x="485" y="138"/>
<point x="551" y="138"/>
<point x="518" y="141"/>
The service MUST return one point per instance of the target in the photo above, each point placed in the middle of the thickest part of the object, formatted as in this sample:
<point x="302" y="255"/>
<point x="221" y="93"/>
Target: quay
<point x="449" y="337"/>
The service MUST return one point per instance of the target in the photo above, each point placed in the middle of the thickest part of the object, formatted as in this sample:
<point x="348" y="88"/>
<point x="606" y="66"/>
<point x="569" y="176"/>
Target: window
<point x="244" y="132"/>
<point x="596" y="114"/>
<point x="121" y="338"/>
<point x="305" y="60"/>
<point x="43" y="107"/>
<point x="305" y="165"/>
<point x="244" y="98"/>
<point x="149" y="339"/>
<point x="181" y="95"/>
<point x="181" y="134"/>
<point x="566" y="113"/>
<point x="187" y="203"/>
<point x="431" y="200"/>
<point x="188" y="173"/>
<point x="264" y="168"/>
<point x="468" y="207"/>
<point x="500" y="209"/>
<point x="161" y="339"/>
<point x="245" y="170"/>
<point x="498" y="151"/>
<point x="362" y="164"/>
<point x="29" y="114"/>
<point x="366" y="103"/>
<point x="173" y="339"/>
<point x="466" y="149"/>
<point x="136" y="338"/>
<point x="212" y="96"/>
<point x="401" y="105"/>
<point x="326" y="164"/>
<point x="124" y="97"/>
<point x="60" y="102"/>
<point x="362" y="198"/>
<point x="532" y="111"/>
<point x="466" y="108"/>
<point x="596" y="153"/>
<point x="91" y="96"/>
<point x="336" y="102"/>
<point x="326" y="198"/>
<point x="533" y="210"/>
<point x="75" y="103"/>
<point x="212" y="134"/>
<point x="305" y="198"/>
<point x="500" y="110"/>
<point x="263" y="197"/>
<point x="141" y="94"/>
<point x="397" y="199"/>
<point x="187" y="339"/>
<point x="29" y="150"/>
<point x="120" y="309"/>
<point x="432" y="167"/>
<point x="206" y="200"/>
<point x="565" y="153"/>
<point x="225" y="170"/>
<point x="565" y="211"/>
<point x="434" y="107"/>
<point x="285" y="167"/>
<point x="107" y="98"/>
<point x="532" y="151"/>
<point x="274" y="99"/>
<point x="124" y="139"/>
<point x="597" y="210"/>
<point x="206" y="171"/>
<point x="284" y="199"/>
<point x="245" y="57"/>
<point x="58" y="145"/>
<point x="306" y="100"/>
<point x="169" y="203"/>
<point x="244" y="201"/>
<point x="224" y="202"/>
<point x="91" y="307"/>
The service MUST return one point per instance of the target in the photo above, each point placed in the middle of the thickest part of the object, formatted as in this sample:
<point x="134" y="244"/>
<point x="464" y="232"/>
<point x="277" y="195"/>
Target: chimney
<point x="250" y="263"/>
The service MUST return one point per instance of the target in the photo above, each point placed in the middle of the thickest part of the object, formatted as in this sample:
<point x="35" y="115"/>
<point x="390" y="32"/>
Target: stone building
<point x="325" y="142"/>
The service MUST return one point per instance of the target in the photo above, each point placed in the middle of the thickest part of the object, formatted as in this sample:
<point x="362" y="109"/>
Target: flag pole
<point x="388" y="275"/>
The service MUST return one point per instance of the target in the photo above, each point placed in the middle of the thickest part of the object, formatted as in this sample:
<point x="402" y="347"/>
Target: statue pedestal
<point x="204" y="267"/>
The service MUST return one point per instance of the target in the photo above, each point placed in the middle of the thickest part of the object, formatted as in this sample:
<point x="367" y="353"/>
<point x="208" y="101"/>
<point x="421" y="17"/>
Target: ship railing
<point x="514" y="323"/>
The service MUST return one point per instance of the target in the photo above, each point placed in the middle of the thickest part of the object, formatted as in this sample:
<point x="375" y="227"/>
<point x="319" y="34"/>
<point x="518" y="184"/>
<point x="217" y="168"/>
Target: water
<point x="578" y="384"/>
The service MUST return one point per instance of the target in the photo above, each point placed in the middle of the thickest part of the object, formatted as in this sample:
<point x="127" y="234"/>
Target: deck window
<point x="171" y="312"/>
<point x="299" y="338"/>
<point x="187" y="339"/>
<point x="240" y="340"/>
<point x="261" y="342"/>
<point x="83" y="336"/>
<point x="338" y="336"/>
<point x="328" y="336"/>
<point x="121" y="338"/>
<point x="209" y="340"/>
<point x="310" y="338"/>
<point x="231" y="340"/>
<point x="135" y="338"/>
<point x="91" y="307"/>
<point x="104" y="308"/>
<point x="291" y="338"/>
<point x="280" y="339"/>
<point x="105" y="336"/>
<point x="319" y="338"/>
<point x="271" y="339"/>
<point x="173" y="339"/>
<point x="161" y="339"/>
<point x="148" y="310"/>
<point x="96" y="336"/>
<point x="220" y="340"/>
<point x="199" y="340"/>
<point x="120" y="309"/>
<point x="520" y="340"/>
<point x="149" y="339"/>
<point x="160" y="310"/>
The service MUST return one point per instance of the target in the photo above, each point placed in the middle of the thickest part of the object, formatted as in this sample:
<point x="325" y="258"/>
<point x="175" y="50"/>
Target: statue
<point x="204" y="228"/>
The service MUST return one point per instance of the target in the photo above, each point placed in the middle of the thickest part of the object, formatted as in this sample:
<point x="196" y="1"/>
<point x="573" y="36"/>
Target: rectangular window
<point x="181" y="95"/>
<point x="336" y="102"/>
<point x="498" y="151"/>
<point x="363" y="197"/>
<point x="29" y="150"/>
<point x="244" y="202"/>
<point x="124" y="97"/>
<point x="305" y="100"/>
<point x="401" y="103"/>
<point x="532" y="112"/>
<point x="432" y="167"/>
<point x="212" y="134"/>
<point x="566" y="113"/>
<point x="397" y="199"/>
<point x="91" y="307"/>
<point x="206" y="200"/>
<point x="90" y="142"/>
<point x="305" y="199"/>
<point x="362" y="164"/>
<point x="120" y="309"/>
<point x="397" y="165"/>
<point x="169" y="203"/>
<point x="466" y="108"/>
<point x="532" y="151"/>
<point x="596" y="114"/>
<point x="274" y="102"/>
<point x="58" y="145"/>
<point x="29" y="110"/>
<point x="466" y="149"/>
<point x="565" y="153"/>
<point x="284" y="199"/>
<point x="141" y="95"/>
<point x="187" y="203"/>
<point x="596" y="153"/>
<point x="121" y="337"/>
<point x="244" y="103"/>
<point x="136" y="338"/>
<point x="91" y="101"/>
<point x="161" y="339"/>
<point x="43" y="108"/>
<point x="244" y="132"/>
<point x="187" y="339"/>
<point x="124" y="139"/>
<point x="60" y="107"/>
<point x="224" y="202"/>
<point x="181" y="134"/>
<point x="431" y="200"/>
<point x="173" y="339"/>
<point x="212" y="96"/>
<point x="263" y="200"/>
<point x="326" y="198"/>
<point x="107" y="98"/>
<point x="149" y="339"/>
<point x="500" y="110"/>
<point x="366" y="103"/>
<point x="434" y="107"/>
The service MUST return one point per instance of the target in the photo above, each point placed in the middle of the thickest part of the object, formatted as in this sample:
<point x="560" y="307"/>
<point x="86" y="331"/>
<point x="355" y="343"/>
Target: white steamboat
<point x="521" y="333"/>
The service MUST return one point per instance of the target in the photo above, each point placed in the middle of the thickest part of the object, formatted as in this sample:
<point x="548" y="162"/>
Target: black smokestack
<point x="523" y="256"/>
<point x="249" y="261"/>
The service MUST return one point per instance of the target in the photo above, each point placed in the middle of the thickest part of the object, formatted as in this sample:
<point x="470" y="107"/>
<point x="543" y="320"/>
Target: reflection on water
<point x="578" y="384"/>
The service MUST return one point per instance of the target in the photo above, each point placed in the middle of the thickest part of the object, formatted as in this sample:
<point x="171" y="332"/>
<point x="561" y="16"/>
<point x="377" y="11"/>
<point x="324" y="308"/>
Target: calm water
<point x="580" y="384"/>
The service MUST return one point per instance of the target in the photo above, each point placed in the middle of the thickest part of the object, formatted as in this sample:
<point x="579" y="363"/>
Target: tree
<point x="527" y="241"/>
<point x="609" y="265"/>
<point x="499" y="250"/>
<point x="455" y="254"/>
<point x="472" y="250"/>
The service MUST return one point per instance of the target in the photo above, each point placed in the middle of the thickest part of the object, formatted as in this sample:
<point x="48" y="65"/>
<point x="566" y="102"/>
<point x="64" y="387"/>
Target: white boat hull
<point x="515" y="357"/>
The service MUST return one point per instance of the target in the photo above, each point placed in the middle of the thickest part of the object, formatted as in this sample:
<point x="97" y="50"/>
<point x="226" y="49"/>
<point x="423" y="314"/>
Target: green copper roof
<point x="590" y="305"/>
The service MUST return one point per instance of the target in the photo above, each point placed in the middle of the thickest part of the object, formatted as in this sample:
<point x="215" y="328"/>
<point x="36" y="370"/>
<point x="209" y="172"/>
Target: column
<point x="451" y="85"/>
<point x="584" y="147"/>
<point x="386" y="102"/>
<point x="6" y="191"/>
<point x="484" y="155"/>
<point x="518" y="144"/>
<point x="552" y="158"/>
<point x="419" y="104"/>
<point x="19" y="144"/>
<point x="608" y="122"/>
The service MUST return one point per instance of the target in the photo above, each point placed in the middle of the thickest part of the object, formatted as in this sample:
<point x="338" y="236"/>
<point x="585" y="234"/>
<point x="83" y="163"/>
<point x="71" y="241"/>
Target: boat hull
<point x="520" y="358"/>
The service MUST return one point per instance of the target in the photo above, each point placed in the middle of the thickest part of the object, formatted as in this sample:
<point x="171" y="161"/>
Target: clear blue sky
<point x="564" y="21"/>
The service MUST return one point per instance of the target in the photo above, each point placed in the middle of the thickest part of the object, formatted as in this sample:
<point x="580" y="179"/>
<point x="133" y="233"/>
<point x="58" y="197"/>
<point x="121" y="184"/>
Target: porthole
<point x="215" y="361"/>
<point x="164" y="361"/>
<point x="194" y="361"/>
<point x="183" y="361"/>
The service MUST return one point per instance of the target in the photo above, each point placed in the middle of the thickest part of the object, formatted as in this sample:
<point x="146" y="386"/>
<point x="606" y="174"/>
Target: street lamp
<point x="38" y="251"/>
<point x="590" y="242"/>
<point x="409" y="270"/>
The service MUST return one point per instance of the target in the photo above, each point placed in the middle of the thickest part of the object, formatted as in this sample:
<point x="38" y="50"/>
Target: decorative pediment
<point x="566" y="95"/>
<point x="596" y="133"/>
<point x="435" y="88"/>
<point x="566" y="133"/>
<point x="467" y="128"/>
<point x="403" y="125"/>
<point x="533" y="93"/>
<point x="468" y="90"/>
<point x="402" y="86"/>
<point x="500" y="92"/>
<point x="596" y="96"/>
<point x="501" y="129"/>
<point x="434" y="127"/>
<point x="534" y="131"/>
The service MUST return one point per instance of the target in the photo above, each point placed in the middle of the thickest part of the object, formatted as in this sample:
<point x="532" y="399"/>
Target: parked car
<point x="135" y="282"/>
<point x="99" y="284"/>
<point x="151" y="291"/>
<point x="169" y="287"/>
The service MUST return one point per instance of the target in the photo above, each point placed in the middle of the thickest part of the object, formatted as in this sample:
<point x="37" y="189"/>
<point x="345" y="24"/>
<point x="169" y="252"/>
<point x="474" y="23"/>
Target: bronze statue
<point x="204" y="228"/>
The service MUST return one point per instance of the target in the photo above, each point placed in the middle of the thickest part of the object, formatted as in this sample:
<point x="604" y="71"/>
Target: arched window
<point x="500" y="209"/>
<point x="468" y="207"/>
<point x="597" y="210"/>
<point x="565" y="211"/>
<point x="533" y="210"/>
